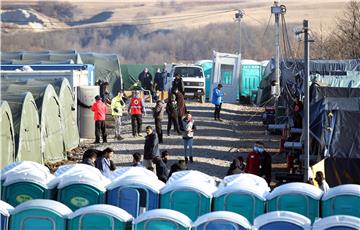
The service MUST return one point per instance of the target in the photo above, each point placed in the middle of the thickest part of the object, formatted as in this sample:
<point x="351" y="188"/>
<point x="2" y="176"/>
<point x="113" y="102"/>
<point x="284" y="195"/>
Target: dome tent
<point x="7" y="142"/>
<point x="50" y="117"/>
<point x="26" y="126"/>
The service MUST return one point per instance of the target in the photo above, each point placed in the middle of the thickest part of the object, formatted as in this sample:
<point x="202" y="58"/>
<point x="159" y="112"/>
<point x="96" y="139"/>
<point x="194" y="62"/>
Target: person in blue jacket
<point x="217" y="99"/>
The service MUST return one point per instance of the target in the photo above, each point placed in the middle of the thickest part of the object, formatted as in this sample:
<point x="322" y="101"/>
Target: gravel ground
<point x="216" y="143"/>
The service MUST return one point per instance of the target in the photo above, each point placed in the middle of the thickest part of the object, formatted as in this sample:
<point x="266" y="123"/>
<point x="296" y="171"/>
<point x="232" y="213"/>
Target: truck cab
<point x="194" y="80"/>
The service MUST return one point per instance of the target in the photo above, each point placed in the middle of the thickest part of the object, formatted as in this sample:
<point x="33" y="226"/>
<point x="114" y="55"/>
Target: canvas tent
<point x="7" y="142"/>
<point x="26" y="126"/>
<point x="48" y="106"/>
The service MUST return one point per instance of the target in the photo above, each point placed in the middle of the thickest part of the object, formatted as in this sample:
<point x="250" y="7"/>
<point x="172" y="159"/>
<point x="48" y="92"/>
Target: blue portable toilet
<point x="5" y="210"/>
<point x="162" y="219"/>
<point x="221" y="220"/>
<point x="124" y="172"/>
<point x="39" y="214"/>
<point x="338" y="222"/>
<point x="100" y="216"/>
<point x="281" y="220"/>
<point x="135" y="194"/>
<point x="27" y="183"/>
<point x="341" y="200"/>
<point x="296" y="197"/>
<point x="248" y="200"/>
<point x="189" y="192"/>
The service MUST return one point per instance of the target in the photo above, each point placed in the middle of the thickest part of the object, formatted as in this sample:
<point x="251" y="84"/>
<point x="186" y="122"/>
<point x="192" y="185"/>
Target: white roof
<point x="283" y="216"/>
<point x="75" y="167"/>
<point x="131" y="171"/>
<point x="345" y="189"/>
<point x="245" y="179"/>
<point x="338" y="220"/>
<point x="5" y="208"/>
<point x="255" y="190"/>
<point x="250" y="62"/>
<point x="138" y="181"/>
<point x="27" y="175"/>
<point x="22" y="166"/>
<point x="165" y="214"/>
<point x="190" y="175"/>
<point x="106" y="209"/>
<point x="49" y="205"/>
<point x="296" y="188"/>
<point x="223" y="215"/>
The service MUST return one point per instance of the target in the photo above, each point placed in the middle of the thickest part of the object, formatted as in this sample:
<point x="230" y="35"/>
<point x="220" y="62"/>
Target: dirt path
<point x="216" y="143"/>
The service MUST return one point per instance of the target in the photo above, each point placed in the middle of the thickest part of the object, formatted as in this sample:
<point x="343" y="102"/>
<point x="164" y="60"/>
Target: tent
<point x="162" y="219"/>
<point x="26" y="126"/>
<point x="7" y="142"/>
<point x="130" y="73"/>
<point x="67" y="109"/>
<point x="39" y="214"/>
<point x="100" y="216"/>
<point x="36" y="57"/>
<point x="221" y="220"/>
<point x="296" y="197"/>
<point x="50" y="118"/>
<point x="338" y="222"/>
<point x="282" y="220"/>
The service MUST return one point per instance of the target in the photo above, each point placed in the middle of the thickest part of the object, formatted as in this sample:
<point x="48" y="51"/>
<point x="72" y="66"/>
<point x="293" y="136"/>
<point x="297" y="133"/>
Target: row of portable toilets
<point x="137" y="190"/>
<point x="38" y="120"/>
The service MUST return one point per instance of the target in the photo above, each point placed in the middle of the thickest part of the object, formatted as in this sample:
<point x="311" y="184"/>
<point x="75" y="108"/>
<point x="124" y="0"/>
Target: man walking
<point x="151" y="148"/>
<point x="158" y="114"/>
<point x="136" y="109"/>
<point x="217" y="101"/>
<point x="117" y="105"/>
<point x="99" y="109"/>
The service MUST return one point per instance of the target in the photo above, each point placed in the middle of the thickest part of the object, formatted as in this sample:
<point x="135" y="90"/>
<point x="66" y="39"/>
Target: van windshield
<point x="189" y="72"/>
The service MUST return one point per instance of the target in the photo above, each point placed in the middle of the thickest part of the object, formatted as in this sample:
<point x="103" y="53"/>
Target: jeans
<point x="188" y="143"/>
<point x="217" y="111"/>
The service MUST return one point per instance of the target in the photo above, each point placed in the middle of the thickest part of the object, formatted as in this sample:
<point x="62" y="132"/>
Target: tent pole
<point x="306" y="99"/>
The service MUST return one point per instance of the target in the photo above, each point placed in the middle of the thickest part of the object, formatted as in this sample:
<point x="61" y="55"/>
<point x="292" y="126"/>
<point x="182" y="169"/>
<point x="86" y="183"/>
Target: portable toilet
<point x="5" y="210"/>
<point x="251" y="75"/>
<point x="341" y="200"/>
<point x="338" y="222"/>
<point x="189" y="192"/>
<point x="245" y="178"/>
<point x="244" y="198"/>
<point x="296" y="197"/>
<point x="26" y="182"/>
<point x="100" y="216"/>
<point x="282" y="220"/>
<point x="133" y="193"/>
<point x="162" y="219"/>
<point x="131" y="171"/>
<point x="39" y="214"/>
<point x="221" y="220"/>
<point x="207" y="66"/>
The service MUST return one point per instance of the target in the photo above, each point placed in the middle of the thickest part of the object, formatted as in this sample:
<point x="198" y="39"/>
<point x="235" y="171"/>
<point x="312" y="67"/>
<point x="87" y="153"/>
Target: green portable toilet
<point x="251" y="75"/>
<point x="7" y="137"/>
<point x="78" y="188"/>
<point x="242" y="197"/>
<point x="26" y="126"/>
<point x="39" y="214"/>
<point x="5" y="210"/>
<point x="188" y="192"/>
<point x="207" y="66"/>
<point x="296" y="197"/>
<point x="162" y="219"/>
<point x="341" y="200"/>
<point x="100" y="216"/>
<point x="278" y="220"/>
<point x="25" y="183"/>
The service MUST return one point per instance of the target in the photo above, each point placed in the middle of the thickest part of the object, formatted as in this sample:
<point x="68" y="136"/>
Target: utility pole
<point x="238" y="16"/>
<point x="306" y="125"/>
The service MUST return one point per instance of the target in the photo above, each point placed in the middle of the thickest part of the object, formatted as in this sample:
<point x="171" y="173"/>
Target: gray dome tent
<point x="67" y="109"/>
<point x="7" y="138"/>
<point x="48" y="106"/>
<point x="26" y="126"/>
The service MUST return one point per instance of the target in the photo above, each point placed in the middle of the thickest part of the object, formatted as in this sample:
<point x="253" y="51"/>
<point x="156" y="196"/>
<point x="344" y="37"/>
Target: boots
<point x="186" y="160"/>
<point x="191" y="160"/>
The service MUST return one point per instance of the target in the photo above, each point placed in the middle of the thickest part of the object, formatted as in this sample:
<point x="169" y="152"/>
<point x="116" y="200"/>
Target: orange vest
<point x="136" y="106"/>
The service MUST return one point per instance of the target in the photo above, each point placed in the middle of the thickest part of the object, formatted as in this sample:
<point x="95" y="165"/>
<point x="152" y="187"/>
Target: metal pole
<point x="306" y="98"/>
<point x="238" y="16"/>
<point x="277" y="53"/>
<point x="239" y="19"/>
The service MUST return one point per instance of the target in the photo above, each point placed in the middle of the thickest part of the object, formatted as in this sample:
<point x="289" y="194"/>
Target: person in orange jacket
<point x="99" y="109"/>
<point x="253" y="161"/>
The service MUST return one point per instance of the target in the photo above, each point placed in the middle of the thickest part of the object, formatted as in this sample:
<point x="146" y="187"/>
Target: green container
<point x="100" y="216"/>
<point x="39" y="214"/>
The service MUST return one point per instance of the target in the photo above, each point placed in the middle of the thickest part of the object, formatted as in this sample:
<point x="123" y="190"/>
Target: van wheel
<point x="202" y="99"/>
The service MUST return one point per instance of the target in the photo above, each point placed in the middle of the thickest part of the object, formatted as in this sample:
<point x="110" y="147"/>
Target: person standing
<point x="103" y="162"/>
<point x="178" y="84"/>
<point x="117" y="106"/>
<point x="217" y="99"/>
<point x="253" y="161"/>
<point x="146" y="79"/>
<point x="151" y="147"/>
<point x="137" y="160"/>
<point x="89" y="157"/>
<point x="99" y="109"/>
<point x="323" y="185"/>
<point x="265" y="162"/>
<point x="188" y="136"/>
<point x="181" y="107"/>
<point x="136" y="109"/>
<point x="159" y="80"/>
<point x="162" y="171"/>
<point x="172" y="111"/>
<point x="158" y="114"/>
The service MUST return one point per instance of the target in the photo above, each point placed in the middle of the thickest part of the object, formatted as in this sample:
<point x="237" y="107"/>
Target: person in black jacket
<point x="151" y="147"/>
<point x="265" y="163"/>
<point x="178" y="84"/>
<point x="89" y="157"/>
<point x="162" y="171"/>
<point x="179" y="166"/>
<point x="172" y="111"/>
<point x="146" y="79"/>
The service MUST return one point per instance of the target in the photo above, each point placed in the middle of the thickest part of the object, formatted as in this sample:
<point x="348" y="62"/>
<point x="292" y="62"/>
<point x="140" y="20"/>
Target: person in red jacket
<point x="136" y="109"/>
<point x="99" y="109"/>
<point x="253" y="161"/>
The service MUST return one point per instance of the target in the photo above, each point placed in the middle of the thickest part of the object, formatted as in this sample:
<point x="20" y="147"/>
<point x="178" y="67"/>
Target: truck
<point x="193" y="77"/>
